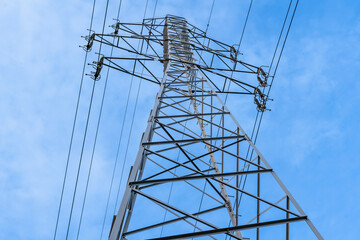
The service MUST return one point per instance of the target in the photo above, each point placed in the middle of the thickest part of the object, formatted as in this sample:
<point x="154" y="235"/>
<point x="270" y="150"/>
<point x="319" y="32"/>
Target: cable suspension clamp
<point x="116" y="26"/>
<point x="233" y="53"/>
<point x="262" y="77"/>
<point x="98" y="69"/>
<point x="98" y="66"/>
<point x="90" y="40"/>
<point x="259" y="100"/>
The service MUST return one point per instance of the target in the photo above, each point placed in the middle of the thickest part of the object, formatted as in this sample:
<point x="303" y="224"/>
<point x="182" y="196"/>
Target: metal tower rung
<point x="189" y="96"/>
<point x="192" y="140"/>
<point x="231" y="229"/>
<point x="175" y="179"/>
<point x="193" y="115"/>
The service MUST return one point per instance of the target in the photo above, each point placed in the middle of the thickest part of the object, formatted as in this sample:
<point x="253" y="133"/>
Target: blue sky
<point x="310" y="137"/>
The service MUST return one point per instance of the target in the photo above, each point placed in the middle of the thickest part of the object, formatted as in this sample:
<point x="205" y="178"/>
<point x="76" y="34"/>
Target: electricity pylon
<point x="188" y="177"/>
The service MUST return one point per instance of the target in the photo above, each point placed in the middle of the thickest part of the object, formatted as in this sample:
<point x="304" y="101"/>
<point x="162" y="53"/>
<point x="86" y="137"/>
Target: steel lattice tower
<point x="193" y="147"/>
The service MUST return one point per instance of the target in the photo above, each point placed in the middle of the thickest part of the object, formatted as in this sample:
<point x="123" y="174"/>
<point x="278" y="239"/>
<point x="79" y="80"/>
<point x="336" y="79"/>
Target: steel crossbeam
<point x="230" y="229"/>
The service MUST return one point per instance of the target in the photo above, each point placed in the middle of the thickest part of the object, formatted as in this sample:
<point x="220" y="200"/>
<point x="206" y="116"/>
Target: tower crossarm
<point x="219" y="62"/>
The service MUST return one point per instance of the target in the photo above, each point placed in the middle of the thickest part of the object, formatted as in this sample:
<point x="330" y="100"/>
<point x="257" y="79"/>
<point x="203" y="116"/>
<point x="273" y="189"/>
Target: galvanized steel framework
<point x="192" y="144"/>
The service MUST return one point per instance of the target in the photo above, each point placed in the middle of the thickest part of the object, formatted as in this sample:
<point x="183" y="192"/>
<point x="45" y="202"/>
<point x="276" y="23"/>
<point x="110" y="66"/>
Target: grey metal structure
<point x="193" y="147"/>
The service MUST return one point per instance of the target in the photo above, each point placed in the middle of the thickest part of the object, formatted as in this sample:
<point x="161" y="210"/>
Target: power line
<point x="85" y="133"/>
<point x="156" y="2"/>
<point x="239" y="45"/>
<point x="262" y="113"/>
<point x="79" y="166"/>
<point x="96" y="135"/>
<point x="132" y="122"/>
<point x="245" y="24"/>
<point x="282" y="49"/>
<point x="238" y="49"/>
<point x="118" y="147"/>
<point x="116" y="158"/>
<point x="133" y="116"/>
<point x="208" y="23"/>
<point x="281" y="32"/>
<point x="73" y="128"/>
